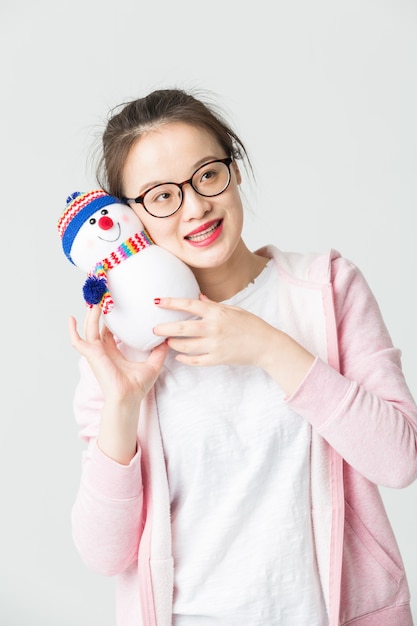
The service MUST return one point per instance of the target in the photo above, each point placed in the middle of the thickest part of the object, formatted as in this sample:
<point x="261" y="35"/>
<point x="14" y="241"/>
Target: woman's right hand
<point x="124" y="383"/>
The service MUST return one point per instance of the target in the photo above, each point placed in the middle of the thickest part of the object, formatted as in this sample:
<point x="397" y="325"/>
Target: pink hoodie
<point x="364" y="432"/>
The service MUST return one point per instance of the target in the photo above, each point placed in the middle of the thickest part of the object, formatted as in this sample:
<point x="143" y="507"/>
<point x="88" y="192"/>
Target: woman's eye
<point x="162" y="197"/>
<point x="161" y="194"/>
<point x="208" y="175"/>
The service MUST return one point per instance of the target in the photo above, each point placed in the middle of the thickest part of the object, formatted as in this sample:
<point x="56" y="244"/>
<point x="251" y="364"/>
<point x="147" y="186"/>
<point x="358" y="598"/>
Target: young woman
<point x="231" y="478"/>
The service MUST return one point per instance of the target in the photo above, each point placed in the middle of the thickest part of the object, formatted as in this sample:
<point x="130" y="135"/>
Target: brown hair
<point x="159" y="107"/>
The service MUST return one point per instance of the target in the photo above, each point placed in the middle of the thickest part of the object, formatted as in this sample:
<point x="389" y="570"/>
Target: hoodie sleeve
<point x="365" y="412"/>
<point x="107" y="513"/>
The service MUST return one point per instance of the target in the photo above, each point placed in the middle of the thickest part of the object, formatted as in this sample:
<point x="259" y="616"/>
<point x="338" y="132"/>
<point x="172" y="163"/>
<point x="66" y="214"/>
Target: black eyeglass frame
<point x="140" y="199"/>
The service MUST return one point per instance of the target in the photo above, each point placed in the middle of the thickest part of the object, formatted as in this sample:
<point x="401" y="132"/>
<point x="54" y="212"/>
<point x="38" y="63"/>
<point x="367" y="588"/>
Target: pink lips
<point x="206" y="234"/>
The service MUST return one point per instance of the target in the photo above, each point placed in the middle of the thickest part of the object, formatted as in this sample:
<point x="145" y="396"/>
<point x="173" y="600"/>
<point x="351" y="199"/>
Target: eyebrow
<point x="196" y="166"/>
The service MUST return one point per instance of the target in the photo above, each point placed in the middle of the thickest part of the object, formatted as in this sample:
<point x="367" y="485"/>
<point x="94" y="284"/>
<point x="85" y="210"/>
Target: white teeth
<point x="204" y="234"/>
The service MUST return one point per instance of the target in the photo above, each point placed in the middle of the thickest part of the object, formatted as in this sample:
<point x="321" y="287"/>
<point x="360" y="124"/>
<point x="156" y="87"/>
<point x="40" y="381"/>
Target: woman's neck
<point x="223" y="282"/>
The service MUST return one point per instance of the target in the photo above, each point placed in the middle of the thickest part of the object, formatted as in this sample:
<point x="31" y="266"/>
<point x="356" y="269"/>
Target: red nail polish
<point x="157" y="300"/>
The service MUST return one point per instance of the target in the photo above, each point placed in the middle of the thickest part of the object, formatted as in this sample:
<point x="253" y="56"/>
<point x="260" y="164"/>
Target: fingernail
<point x="156" y="300"/>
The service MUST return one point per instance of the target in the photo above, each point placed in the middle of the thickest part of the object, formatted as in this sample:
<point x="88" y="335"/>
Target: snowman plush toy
<point x="125" y="269"/>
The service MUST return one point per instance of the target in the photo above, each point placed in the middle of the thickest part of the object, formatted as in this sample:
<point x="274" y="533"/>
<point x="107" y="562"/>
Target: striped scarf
<point x="95" y="288"/>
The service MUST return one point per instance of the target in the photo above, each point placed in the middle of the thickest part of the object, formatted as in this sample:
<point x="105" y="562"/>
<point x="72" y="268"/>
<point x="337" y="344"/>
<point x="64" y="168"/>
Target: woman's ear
<point x="237" y="172"/>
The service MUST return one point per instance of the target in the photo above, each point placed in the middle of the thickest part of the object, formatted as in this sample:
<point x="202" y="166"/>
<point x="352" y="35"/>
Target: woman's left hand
<point x="221" y="334"/>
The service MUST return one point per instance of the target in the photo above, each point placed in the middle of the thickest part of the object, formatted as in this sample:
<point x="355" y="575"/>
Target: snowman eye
<point x="104" y="211"/>
<point x="92" y="220"/>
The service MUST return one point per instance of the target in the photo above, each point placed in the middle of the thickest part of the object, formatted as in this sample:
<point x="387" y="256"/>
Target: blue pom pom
<point x="72" y="197"/>
<point x="94" y="289"/>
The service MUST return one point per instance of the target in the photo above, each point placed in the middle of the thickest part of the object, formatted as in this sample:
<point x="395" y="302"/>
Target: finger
<point x="196" y="307"/>
<point x="187" y="346"/>
<point x="185" y="328"/>
<point x="109" y="341"/>
<point x="107" y="335"/>
<point x="157" y="356"/>
<point x="77" y="342"/>
<point x="73" y="332"/>
<point x="195" y="360"/>
<point x="92" y="323"/>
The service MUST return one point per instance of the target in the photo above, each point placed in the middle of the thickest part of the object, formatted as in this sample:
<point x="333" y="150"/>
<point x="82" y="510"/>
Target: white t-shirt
<point x="238" y="470"/>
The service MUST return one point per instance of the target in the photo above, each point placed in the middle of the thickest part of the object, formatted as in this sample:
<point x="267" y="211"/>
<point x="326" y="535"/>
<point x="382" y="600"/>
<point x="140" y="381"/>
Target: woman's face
<point x="205" y="232"/>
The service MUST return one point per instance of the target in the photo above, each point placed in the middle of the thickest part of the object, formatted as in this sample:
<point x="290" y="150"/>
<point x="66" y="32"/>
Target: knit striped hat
<point x="79" y="207"/>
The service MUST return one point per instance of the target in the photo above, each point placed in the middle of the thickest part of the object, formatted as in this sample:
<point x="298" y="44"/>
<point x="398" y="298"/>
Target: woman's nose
<point x="194" y="205"/>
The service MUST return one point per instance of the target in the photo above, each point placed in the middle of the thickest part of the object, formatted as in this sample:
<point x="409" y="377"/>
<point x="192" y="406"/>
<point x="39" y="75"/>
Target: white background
<point x="324" y="94"/>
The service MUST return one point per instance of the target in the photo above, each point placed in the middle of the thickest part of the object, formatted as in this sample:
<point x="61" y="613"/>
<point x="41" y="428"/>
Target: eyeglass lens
<point x="209" y="180"/>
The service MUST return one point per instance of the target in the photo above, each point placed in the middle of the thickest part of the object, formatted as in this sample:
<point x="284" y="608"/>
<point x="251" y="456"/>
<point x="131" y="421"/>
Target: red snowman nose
<point x="105" y="222"/>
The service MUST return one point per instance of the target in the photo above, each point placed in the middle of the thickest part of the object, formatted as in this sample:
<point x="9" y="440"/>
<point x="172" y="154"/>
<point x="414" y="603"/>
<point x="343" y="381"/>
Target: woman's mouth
<point x="206" y="234"/>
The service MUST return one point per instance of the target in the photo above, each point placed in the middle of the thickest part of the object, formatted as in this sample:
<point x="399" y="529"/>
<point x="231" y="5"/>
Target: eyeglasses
<point x="165" y="199"/>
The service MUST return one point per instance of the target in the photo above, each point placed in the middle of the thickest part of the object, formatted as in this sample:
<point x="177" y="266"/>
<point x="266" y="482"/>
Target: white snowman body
<point x="136" y="280"/>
